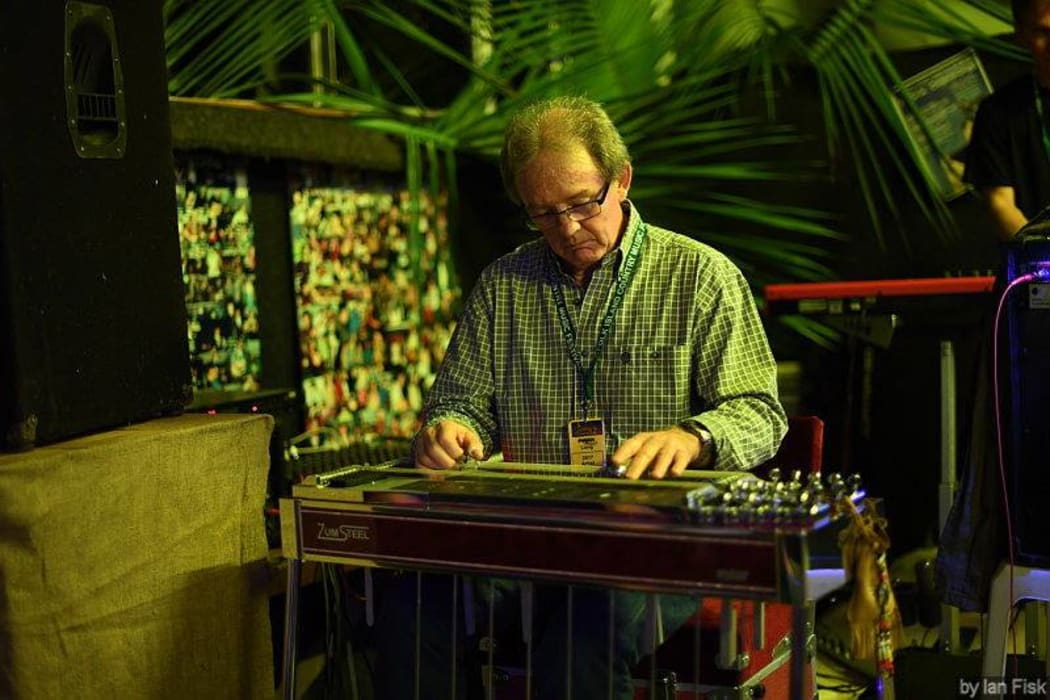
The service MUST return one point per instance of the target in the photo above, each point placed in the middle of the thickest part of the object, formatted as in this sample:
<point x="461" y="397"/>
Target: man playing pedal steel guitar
<point x="605" y="340"/>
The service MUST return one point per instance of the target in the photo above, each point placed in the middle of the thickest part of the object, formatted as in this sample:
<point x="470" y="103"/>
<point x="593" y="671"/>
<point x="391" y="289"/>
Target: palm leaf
<point x="944" y="19"/>
<point x="671" y="81"/>
<point x="215" y="48"/>
<point x="858" y="81"/>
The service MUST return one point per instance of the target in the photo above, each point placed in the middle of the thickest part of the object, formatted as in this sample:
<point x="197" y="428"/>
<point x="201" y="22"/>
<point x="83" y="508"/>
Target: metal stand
<point x="291" y="628"/>
<point x="946" y="492"/>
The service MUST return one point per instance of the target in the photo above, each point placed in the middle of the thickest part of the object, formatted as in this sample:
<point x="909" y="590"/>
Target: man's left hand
<point x="658" y="454"/>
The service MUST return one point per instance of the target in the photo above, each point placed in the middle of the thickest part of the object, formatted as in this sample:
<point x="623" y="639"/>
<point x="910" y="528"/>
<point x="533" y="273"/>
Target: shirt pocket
<point x="647" y="387"/>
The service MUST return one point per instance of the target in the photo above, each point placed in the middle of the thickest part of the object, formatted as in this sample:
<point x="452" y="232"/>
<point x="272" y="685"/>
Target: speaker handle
<point x="94" y="83"/>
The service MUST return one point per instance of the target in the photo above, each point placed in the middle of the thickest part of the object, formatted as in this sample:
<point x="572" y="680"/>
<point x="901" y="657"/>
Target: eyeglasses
<point x="577" y="212"/>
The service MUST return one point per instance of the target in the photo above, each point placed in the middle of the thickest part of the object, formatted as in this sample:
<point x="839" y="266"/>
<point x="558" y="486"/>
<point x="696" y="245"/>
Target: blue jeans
<point x="588" y="671"/>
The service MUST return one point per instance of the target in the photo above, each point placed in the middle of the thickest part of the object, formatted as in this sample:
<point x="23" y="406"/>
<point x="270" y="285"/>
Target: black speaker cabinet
<point x="92" y="314"/>
<point x="1027" y="410"/>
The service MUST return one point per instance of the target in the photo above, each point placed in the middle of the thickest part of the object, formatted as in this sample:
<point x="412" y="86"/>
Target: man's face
<point x="1035" y="36"/>
<point x="560" y="178"/>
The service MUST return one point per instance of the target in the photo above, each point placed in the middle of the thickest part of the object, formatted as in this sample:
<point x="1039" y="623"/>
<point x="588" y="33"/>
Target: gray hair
<point x="560" y="122"/>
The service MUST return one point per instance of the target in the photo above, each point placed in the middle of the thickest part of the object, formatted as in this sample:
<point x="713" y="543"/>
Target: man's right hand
<point x="445" y="444"/>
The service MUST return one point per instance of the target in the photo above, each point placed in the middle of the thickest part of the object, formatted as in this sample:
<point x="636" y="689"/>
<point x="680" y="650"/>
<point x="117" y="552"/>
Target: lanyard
<point x="1042" y="121"/>
<point x="627" y="270"/>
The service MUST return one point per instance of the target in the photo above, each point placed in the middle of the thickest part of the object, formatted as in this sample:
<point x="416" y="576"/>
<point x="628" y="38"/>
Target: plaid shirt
<point x="687" y="342"/>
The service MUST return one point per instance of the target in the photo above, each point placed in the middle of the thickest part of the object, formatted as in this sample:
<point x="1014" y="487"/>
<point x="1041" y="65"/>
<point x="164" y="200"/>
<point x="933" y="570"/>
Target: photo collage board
<point x="216" y="235"/>
<point x="376" y="294"/>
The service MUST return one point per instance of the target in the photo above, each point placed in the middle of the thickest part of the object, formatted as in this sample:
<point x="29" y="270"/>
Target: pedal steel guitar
<point x="726" y="534"/>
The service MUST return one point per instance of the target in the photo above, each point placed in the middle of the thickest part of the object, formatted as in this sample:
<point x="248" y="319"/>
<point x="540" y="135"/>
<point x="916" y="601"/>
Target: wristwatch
<point x="707" y="441"/>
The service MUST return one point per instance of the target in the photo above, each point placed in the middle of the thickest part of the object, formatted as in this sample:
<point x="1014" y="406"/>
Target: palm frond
<point x="946" y="19"/>
<point x="858" y="82"/>
<point x="215" y="49"/>
<point x="820" y="334"/>
<point x="672" y="80"/>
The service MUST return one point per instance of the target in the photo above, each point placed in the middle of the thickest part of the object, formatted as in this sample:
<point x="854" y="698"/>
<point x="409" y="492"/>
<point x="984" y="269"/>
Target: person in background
<point x="1008" y="163"/>
<point x="646" y="342"/>
<point x="1008" y="159"/>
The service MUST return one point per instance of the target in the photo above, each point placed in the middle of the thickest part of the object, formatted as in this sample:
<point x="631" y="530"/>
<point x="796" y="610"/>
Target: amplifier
<point x="282" y="404"/>
<point x="1027" y="406"/>
<point x="92" y="316"/>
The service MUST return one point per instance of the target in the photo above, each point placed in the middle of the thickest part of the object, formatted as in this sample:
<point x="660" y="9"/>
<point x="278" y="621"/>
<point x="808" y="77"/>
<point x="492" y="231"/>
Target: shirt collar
<point x="634" y="224"/>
